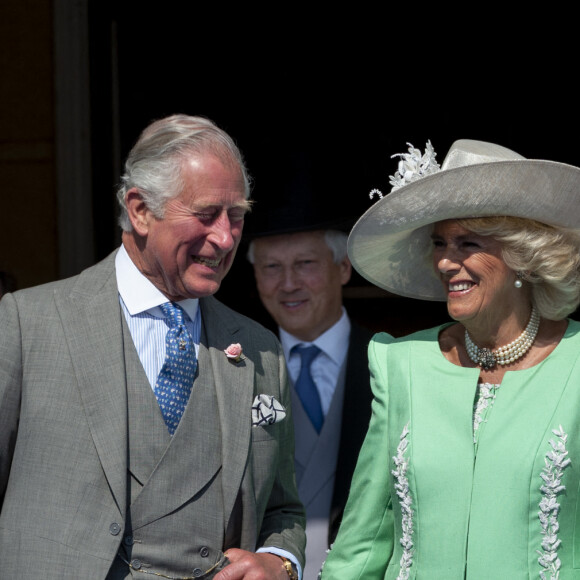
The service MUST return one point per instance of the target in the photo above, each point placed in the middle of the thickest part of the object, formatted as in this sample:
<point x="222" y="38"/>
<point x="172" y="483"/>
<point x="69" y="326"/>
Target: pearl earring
<point x="518" y="281"/>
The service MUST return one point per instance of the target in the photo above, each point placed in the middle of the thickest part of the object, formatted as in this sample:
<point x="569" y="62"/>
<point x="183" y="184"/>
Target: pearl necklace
<point x="505" y="355"/>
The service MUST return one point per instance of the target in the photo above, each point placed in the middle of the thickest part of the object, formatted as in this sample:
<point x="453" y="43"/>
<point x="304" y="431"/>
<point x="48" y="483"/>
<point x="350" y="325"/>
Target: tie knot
<point x="173" y="313"/>
<point x="307" y="353"/>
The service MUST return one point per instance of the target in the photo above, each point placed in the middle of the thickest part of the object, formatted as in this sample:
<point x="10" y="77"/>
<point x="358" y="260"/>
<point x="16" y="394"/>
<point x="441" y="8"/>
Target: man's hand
<point x="251" y="566"/>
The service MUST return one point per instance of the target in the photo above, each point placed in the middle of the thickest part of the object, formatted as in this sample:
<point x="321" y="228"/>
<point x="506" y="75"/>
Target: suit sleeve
<point x="284" y="521"/>
<point x="10" y="385"/>
<point x="364" y="544"/>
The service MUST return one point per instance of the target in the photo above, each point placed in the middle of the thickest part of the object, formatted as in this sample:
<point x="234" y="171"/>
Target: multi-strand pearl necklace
<point x="505" y="355"/>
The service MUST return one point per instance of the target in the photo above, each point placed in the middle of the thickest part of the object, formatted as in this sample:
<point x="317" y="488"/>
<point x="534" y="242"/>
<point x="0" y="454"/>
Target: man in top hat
<point x="298" y="252"/>
<point x="143" y="425"/>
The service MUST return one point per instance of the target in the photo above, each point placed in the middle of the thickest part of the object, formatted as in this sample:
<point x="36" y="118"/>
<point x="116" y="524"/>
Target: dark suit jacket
<point x="64" y="379"/>
<point x="356" y="415"/>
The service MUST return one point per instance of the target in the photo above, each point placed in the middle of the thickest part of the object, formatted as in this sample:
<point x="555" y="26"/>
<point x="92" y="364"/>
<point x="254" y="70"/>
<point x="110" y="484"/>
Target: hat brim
<point x="390" y="244"/>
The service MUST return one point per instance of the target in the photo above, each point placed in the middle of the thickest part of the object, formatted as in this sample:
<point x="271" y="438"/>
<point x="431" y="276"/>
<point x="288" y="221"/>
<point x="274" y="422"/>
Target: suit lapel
<point x="91" y="318"/>
<point x="355" y="419"/>
<point x="92" y="321"/>
<point x="234" y="387"/>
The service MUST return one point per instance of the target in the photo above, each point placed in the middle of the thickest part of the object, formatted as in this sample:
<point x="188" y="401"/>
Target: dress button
<point x="114" y="528"/>
<point x="128" y="540"/>
<point x="136" y="564"/>
<point x="204" y="552"/>
<point x="197" y="572"/>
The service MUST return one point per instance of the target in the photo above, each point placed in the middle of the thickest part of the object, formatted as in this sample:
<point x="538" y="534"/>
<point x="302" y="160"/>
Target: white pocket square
<point x="267" y="410"/>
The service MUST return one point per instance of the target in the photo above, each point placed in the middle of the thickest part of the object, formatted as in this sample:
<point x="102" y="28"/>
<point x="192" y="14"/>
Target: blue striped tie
<point x="176" y="377"/>
<point x="305" y="387"/>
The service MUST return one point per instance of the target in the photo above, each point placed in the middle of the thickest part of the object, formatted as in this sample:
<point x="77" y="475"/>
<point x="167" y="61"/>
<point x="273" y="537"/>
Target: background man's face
<point x="299" y="283"/>
<point x="188" y="252"/>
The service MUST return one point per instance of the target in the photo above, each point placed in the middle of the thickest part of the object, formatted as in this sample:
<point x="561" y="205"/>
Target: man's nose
<point x="222" y="233"/>
<point x="290" y="279"/>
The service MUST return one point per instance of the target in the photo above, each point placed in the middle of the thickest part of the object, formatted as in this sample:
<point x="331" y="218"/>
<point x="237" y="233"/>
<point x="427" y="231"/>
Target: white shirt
<point x="140" y="301"/>
<point x="326" y="366"/>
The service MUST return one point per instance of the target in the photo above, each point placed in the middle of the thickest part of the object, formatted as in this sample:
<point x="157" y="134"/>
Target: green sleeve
<point x="364" y="544"/>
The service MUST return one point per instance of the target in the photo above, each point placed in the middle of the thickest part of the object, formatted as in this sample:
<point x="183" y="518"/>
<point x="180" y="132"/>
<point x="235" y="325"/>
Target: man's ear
<point x="345" y="270"/>
<point x="139" y="214"/>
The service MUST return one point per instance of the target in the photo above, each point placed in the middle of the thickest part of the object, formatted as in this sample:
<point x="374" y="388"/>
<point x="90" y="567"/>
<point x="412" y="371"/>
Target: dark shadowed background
<point x="82" y="78"/>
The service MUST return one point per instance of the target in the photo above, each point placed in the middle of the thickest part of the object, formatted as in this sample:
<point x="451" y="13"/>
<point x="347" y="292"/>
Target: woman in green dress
<point x="471" y="465"/>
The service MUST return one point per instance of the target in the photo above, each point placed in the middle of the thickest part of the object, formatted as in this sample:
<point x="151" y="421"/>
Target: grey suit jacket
<point x="64" y="431"/>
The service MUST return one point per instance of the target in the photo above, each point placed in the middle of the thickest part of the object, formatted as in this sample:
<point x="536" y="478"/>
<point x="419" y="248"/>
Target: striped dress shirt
<point x="140" y="301"/>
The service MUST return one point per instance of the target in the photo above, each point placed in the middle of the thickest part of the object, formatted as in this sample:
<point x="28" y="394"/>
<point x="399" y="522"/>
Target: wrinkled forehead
<point x="207" y="175"/>
<point x="204" y="166"/>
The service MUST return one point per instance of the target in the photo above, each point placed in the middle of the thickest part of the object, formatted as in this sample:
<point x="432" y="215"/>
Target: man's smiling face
<point x="299" y="283"/>
<point x="188" y="252"/>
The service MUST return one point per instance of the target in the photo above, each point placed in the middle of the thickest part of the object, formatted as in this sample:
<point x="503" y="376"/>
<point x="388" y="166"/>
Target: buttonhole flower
<point x="234" y="352"/>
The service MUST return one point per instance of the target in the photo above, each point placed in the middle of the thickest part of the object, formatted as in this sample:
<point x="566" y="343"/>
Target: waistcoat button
<point x="136" y="564"/>
<point x="197" y="572"/>
<point x="204" y="552"/>
<point x="114" y="528"/>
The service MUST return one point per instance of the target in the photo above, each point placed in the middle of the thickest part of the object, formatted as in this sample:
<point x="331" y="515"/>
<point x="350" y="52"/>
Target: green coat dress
<point x="433" y="499"/>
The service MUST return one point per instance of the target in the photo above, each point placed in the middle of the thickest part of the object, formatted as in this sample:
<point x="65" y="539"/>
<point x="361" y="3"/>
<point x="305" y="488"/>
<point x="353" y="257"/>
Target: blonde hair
<point x="546" y="257"/>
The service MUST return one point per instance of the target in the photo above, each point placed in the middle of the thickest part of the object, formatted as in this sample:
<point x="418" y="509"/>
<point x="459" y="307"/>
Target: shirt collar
<point x="138" y="292"/>
<point x="333" y="342"/>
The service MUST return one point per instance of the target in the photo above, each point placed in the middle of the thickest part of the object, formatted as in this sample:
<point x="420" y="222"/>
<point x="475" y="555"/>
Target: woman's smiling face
<point x="476" y="279"/>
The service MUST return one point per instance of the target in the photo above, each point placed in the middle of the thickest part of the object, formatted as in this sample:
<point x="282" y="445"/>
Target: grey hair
<point x="547" y="257"/>
<point x="335" y="240"/>
<point x="154" y="164"/>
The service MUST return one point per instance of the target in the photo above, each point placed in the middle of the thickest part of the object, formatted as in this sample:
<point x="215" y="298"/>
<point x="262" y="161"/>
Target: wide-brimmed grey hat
<point x="390" y="244"/>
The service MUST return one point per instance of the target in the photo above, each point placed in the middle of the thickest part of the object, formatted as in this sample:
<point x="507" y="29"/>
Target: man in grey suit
<point x="300" y="270"/>
<point x="144" y="426"/>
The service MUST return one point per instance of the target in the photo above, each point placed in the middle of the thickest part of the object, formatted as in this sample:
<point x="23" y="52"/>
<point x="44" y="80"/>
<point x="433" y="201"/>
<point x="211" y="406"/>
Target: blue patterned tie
<point x="175" y="379"/>
<point x="305" y="387"/>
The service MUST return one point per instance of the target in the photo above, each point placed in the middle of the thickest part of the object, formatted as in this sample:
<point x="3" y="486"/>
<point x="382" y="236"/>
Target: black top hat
<point x="300" y="191"/>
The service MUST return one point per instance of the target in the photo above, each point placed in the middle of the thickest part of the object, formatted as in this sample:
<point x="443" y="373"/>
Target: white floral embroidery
<point x="555" y="462"/>
<point x="414" y="166"/>
<point x="405" y="500"/>
<point x="322" y="567"/>
<point x="486" y="397"/>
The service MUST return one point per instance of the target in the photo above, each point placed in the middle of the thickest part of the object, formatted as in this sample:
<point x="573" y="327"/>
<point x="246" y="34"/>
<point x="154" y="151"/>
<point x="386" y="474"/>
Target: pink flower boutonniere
<point x="234" y="352"/>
